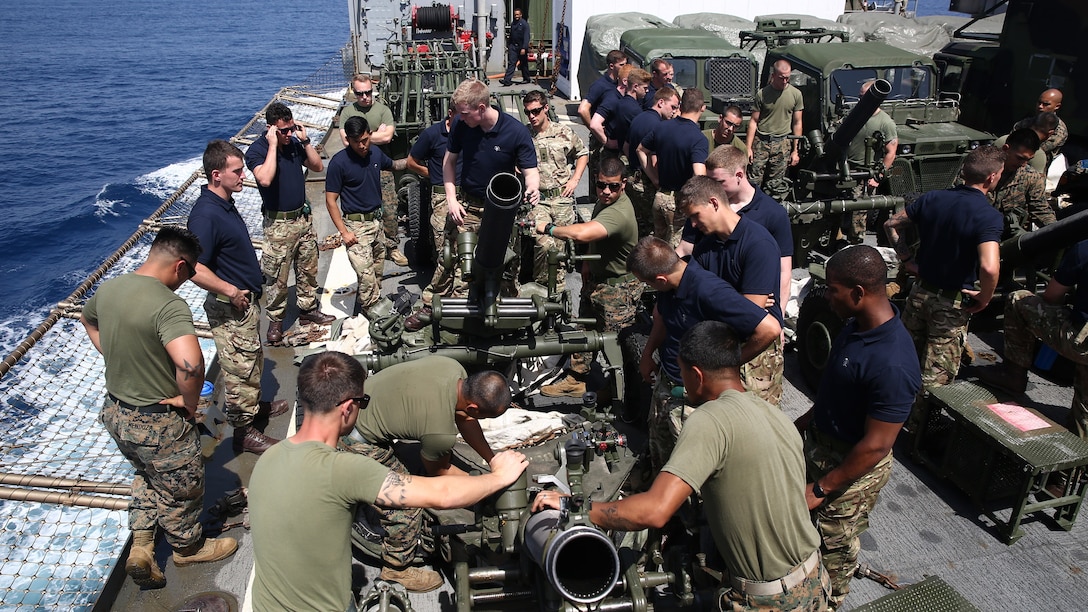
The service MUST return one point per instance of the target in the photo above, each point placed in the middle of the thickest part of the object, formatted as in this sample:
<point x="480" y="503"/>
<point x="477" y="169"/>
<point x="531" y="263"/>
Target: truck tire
<point x="421" y="250"/>
<point x="817" y="327"/>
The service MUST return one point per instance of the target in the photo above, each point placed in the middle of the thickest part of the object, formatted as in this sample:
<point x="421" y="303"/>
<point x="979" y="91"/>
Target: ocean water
<point x="109" y="107"/>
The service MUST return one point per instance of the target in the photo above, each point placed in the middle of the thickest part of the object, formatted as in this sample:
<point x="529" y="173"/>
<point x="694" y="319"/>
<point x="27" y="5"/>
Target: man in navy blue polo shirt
<point x="353" y="196"/>
<point x="276" y="162"/>
<point x="865" y="395"/>
<point x="612" y="120"/>
<point x="640" y="188"/>
<point x="487" y="141"/>
<point x="959" y="232"/>
<point x="670" y="155"/>
<point x="743" y="253"/>
<point x="603" y="87"/>
<point x="661" y="73"/>
<point x="686" y="294"/>
<point x="425" y="159"/>
<point x="227" y="268"/>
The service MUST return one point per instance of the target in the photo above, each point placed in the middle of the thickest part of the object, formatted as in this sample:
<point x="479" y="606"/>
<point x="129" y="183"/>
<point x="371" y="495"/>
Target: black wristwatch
<point x="304" y="141"/>
<point x="817" y="490"/>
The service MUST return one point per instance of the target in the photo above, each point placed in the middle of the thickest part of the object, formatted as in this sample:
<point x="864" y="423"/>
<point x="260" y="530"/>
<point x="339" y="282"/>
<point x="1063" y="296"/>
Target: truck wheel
<point x="421" y="250"/>
<point x="817" y="327"/>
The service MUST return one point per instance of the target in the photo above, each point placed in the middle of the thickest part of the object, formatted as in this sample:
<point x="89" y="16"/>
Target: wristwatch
<point x="817" y="490"/>
<point x="304" y="141"/>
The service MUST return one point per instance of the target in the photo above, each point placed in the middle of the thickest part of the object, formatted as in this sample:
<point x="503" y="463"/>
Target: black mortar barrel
<point x="504" y="194"/>
<point x="865" y="108"/>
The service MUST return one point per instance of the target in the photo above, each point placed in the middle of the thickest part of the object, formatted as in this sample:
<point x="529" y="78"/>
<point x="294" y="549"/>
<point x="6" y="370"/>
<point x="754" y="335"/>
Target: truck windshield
<point x="908" y="82"/>
<point x="685" y="73"/>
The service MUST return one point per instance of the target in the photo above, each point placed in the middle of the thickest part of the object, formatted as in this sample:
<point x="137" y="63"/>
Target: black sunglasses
<point x="533" y="112"/>
<point x="190" y="267"/>
<point x="287" y="130"/>
<point x="614" y="187"/>
<point x="363" y="401"/>
<point x="366" y="92"/>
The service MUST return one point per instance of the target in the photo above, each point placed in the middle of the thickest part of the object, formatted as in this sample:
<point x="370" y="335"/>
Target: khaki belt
<point x="472" y="204"/>
<point x="282" y="215"/>
<point x="152" y="409"/>
<point x="551" y="193"/>
<point x="620" y="280"/>
<point x="370" y="216"/>
<point x="781" y="585"/>
<point x="666" y="192"/>
<point x="957" y="296"/>
<point x="770" y="137"/>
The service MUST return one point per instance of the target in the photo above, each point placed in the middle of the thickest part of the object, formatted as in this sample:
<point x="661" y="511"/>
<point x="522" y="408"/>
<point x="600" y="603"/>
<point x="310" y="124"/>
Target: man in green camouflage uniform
<point x="400" y="408"/>
<point x="1050" y="101"/>
<point x="865" y="395"/>
<point x="776" y="114"/>
<point x="744" y="459"/>
<point x="610" y="294"/>
<point x="380" y="119"/>
<point x="1020" y="194"/>
<point x="558" y="150"/>
<point x="154" y="374"/>
<point x="1062" y="327"/>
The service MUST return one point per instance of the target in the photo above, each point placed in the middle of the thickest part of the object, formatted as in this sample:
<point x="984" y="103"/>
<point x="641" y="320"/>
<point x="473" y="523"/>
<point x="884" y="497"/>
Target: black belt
<point x="370" y="216"/>
<point x="284" y="215"/>
<point x="955" y="295"/>
<point x="770" y="137"/>
<point x="152" y="409"/>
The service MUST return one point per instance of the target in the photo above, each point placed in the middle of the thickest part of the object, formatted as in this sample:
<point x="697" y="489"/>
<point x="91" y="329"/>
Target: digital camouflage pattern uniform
<point x="168" y="487"/>
<point x="939" y="328"/>
<point x="287" y="240"/>
<point x="1022" y="195"/>
<point x="1027" y="318"/>
<point x="367" y="257"/>
<point x="843" y="517"/>
<point x="237" y="338"/>
<point x="771" y="148"/>
<point x="557" y="150"/>
<point x="1052" y="145"/>
<point x="809" y="596"/>
<point x="402" y="525"/>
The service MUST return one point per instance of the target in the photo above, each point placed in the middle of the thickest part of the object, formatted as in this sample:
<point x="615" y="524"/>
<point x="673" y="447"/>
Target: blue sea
<point x="109" y="107"/>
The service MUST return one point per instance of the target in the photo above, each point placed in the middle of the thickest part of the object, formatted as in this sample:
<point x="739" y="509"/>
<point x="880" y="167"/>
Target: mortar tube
<point x="579" y="561"/>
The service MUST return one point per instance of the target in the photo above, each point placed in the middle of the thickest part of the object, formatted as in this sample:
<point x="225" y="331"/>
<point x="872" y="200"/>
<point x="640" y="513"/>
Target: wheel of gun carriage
<point x="817" y="327"/>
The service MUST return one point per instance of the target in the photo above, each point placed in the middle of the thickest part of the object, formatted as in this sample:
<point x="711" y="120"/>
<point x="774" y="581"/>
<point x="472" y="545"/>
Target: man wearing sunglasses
<point x="401" y="408"/>
<point x="303" y="493"/>
<point x="383" y="129"/>
<point x="562" y="157"/>
<point x="277" y="163"/>
<point x="154" y="374"/>
<point x="609" y="292"/>
<point x="725" y="133"/>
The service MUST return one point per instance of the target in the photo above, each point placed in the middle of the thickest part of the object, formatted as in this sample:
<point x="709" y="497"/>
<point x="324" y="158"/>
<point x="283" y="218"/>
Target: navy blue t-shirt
<point x="357" y="179"/>
<point x="224" y="238"/>
<point x="873" y="373"/>
<point x="641" y="126"/>
<point x="597" y="91"/>
<point x="483" y="155"/>
<point x="430" y="147"/>
<point x="702" y="296"/>
<point x="764" y="210"/>
<point x="678" y="143"/>
<point x="951" y="224"/>
<point x="1073" y="272"/>
<point x="748" y="259"/>
<point x="288" y="189"/>
<point x="617" y="113"/>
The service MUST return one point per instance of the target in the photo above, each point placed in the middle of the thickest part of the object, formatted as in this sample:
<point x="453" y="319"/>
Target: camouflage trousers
<point x="668" y="221"/>
<point x="402" y="525"/>
<point x="367" y="257"/>
<point x="1027" y="318"/>
<point x="938" y="326"/>
<point x="287" y="243"/>
<point x="168" y="488"/>
<point x="843" y="518"/>
<point x="770" y="160"/>
<point x="560" y="211"/>
<point x="808" y="596"/>
<point x="390" y="206"/>
<point x="448" y="282"/>
<point x="668" y="411"/>
<point x="237" y="336"/>
<point x="613" y="306"/>
<point x="439" y="213"/>
<point x="763" y="374"/>
<point x="642" y="192"/>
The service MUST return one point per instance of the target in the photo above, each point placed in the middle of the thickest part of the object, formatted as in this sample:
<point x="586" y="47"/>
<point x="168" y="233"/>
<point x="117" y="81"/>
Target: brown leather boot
<point x="272" y="409"/>
<point x="316" y="316"/>
<point x="275" y="332"/>
<point x="249" y="439"/>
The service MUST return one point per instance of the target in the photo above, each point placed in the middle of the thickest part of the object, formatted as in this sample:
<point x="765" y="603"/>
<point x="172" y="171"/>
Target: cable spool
<point x="437" y="18"/>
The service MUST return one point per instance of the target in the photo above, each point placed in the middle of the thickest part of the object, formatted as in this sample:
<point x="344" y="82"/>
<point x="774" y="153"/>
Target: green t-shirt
<point x="302" y="501"/>
<point x="619" y="220"/>
<point x="375" y="116"/>
<point x="414" y="401"/>
<point x="137" y="316"/>
<point x="746" y="459"/>
<point x="776" y="109"/>
<point x="880" y="122"/>
<point x="738" y="142"/>
<point x="1038" y="162"/>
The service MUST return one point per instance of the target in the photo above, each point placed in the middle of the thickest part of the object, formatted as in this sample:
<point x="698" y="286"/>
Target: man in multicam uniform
<point x="609" y="293"/>
<point x="776" y="114"/>
<point x="353" y="197"/>
<point x="450" y="403"/>
<point x="741" y="251"/>
<point x="959" y="232"/>
<point x="228" y="270"/>
<point x="745" y="459"/>
<point x="1062" y="327"/>
<point x="425" y="159"/>
<point x="1049" y="102"/>
<point x="558" y="150"/>
<point x="277" y="162"/>
<point x="154" y="373"/>
<point x="383" y="129"/>
<point x="865" y="395"/>
<point x="640" y="188"/>
<point x="686" y="294"/>
<point x="1021" y="191"/>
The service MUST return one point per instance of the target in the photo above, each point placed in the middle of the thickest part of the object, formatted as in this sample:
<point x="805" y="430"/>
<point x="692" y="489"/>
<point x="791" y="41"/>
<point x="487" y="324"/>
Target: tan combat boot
<point x="569" y="386"/>
<point x="141" y="565"/>
<point x="413" y="579"/>
<point x="213" y="549"/>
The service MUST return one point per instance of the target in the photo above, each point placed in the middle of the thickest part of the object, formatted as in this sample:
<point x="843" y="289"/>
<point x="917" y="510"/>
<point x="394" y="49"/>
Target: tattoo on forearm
<point x="394" y="491"/>
<point x="612" y="520"/>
